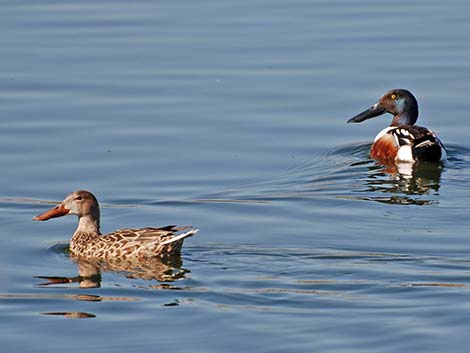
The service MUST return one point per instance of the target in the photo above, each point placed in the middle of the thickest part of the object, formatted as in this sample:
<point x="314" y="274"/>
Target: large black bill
<point x="372" y="112"/>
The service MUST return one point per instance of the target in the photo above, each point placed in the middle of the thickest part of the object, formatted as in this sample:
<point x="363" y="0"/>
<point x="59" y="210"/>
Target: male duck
<point x="88" y="242"/>
<point x="402" y="141"/>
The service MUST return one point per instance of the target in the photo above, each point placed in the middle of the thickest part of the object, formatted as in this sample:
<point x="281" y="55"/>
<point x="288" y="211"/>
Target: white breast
<point x="404" y="154"/>
<point x="383" y="132"/>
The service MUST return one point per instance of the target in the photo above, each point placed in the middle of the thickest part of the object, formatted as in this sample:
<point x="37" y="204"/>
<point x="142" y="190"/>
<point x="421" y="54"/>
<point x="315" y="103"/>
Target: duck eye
<point x="393" y="96"/>
<point x="78" y="198"/>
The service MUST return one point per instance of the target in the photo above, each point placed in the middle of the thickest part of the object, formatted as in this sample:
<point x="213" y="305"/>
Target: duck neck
<point x="408" y="117"/>
<point x="89" y="224"/>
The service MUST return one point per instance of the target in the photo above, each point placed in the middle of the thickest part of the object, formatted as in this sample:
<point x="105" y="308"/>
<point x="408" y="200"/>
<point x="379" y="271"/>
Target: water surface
<point x="232" y="117"/>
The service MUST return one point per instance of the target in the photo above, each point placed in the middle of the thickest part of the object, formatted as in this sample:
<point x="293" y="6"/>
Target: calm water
<point x="230" y="116"/>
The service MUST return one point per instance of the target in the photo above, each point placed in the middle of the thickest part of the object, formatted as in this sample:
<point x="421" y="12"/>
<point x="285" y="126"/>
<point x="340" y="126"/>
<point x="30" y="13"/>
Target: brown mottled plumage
<point x="87" y="241"/>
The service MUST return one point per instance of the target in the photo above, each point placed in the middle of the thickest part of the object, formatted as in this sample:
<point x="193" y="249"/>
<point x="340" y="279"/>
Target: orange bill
<point x="57" y="211"/>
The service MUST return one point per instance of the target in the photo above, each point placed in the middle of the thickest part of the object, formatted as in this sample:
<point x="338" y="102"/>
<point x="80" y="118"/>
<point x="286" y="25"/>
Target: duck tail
<point x="181" y="236"/>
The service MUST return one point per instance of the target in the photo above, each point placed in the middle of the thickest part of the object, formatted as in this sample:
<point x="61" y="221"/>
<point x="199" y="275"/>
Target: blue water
<point x="231" y="116"/>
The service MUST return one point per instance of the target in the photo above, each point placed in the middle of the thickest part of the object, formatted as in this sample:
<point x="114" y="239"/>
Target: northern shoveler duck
<point x="402" y="141"/>
<point x="88" y="242"/>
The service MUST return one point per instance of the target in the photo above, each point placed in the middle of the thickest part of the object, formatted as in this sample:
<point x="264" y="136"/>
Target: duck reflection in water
<point x="405" y="183"/>
<point x="89" y="270"/>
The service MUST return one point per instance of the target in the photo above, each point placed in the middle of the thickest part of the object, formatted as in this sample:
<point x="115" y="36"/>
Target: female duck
<point x="88" y="242"/>
<point x="402" y="141"/>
